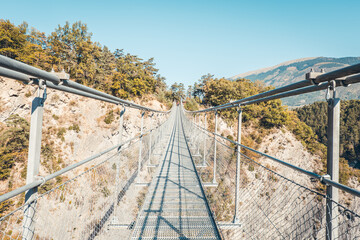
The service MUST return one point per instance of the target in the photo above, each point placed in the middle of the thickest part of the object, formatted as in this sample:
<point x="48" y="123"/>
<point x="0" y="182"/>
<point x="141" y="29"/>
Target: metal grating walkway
<point x="175" y="206"/>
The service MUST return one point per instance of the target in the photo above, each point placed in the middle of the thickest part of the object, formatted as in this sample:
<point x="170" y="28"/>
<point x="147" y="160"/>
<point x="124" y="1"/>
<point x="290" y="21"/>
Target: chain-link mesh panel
<point x="98" y="199"/>
<point x="271" y="205"/>
<point x="79" y="208"/>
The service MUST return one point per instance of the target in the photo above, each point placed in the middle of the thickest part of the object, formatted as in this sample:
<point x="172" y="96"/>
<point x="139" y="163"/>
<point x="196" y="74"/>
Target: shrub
<point x="75" y="127"/>
<point x="72" y="103"/>
<point x="28" y="94"/>
<point x="61" y="132"/>
<point x="5" y="206"/>
<point x="14" y="141"/>
<point x="110" y="117"/>
<point x="191" y="105"/>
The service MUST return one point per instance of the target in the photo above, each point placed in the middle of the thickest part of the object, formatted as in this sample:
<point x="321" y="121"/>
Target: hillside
<point x="295" y="70"/>
<point x="74" y="128"/>
<point x="315" y="116"/>
<point x="264" y="118"/>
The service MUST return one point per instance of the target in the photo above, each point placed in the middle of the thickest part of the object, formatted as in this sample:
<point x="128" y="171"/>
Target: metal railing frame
<point x="315" y="81"/>
<point x="30" y="75"/>
<point x="60" y="81"/>
<point x="321" y="178"/>
<point x="47" y="178"/>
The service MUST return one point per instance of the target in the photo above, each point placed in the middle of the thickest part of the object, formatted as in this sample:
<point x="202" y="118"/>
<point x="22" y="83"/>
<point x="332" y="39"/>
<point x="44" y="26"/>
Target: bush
<point x="75" y="127"/>
<point x="61" y="132"/>
<point x="5" y="206"/>
<point x="191" y="105"/>
<point x="110" y="117"/>
<point x="14" y="142"/>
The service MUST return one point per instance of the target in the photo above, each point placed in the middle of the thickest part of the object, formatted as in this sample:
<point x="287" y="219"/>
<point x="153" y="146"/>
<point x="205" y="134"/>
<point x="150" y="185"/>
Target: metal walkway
<point x="175" y="206"/>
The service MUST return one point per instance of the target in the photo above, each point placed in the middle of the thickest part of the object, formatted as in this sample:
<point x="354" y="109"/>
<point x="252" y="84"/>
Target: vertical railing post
<point x="161" y="132"/>
<point x="158" y="131"/>
<point x="37" y="110"/>
<point x="333" y="132"/>
<point x="198" y="138"/>
<point x="117" y="180"/>
<point x="150" y="140"/>
<point x="214" y="167"/>
<point x="237" y="187"/>
<point x="141" y="137"/>
<point x="204" y="141"/>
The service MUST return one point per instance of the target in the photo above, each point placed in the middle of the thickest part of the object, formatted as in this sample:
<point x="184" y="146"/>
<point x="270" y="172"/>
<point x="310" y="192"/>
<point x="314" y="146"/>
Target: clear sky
<point x="191" y="38"/>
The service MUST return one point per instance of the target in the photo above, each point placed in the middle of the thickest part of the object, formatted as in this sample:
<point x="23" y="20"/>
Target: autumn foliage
<point x="71" y="48"/>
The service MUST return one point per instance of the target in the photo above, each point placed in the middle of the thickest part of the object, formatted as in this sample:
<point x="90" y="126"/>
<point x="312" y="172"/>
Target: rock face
<point x="295" y="70"/>
<point x="74" y="127"/>
<point x="80" y="203"/>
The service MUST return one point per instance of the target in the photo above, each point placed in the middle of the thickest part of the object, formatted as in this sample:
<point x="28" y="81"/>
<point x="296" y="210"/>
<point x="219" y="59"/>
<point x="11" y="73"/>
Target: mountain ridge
<point x="294" y="70"/>
<point x="261" y="70"/>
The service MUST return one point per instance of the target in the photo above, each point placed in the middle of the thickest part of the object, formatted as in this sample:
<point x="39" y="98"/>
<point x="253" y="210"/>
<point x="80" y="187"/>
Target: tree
<point x="12" y="40"/>
<point x="70" y="48"/>
<point x="198" y="91"/>
<point x="189" y="91"/>
<point x="75" y="51"/>
<point x="315" y="115"/>
<point x="177" y="91"/>
<point x="134" y="77"/>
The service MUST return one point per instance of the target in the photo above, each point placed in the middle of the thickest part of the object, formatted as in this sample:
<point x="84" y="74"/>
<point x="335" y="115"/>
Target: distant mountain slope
<point x="295" y="70"/>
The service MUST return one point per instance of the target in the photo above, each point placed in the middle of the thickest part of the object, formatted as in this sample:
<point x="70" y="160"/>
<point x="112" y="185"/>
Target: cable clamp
<point x="239" y="108"/>
<point x="343" y="83"/>
<point x="331" y="91"/>
<point x="326" y="176"/>
<point x="327" y="94"/>
<point x="312" y="75"/>
<point x="38" y="177"/>
<point x="42" y="83"/>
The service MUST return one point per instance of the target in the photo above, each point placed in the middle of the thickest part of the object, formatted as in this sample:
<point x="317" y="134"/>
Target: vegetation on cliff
<point x="308" y="124"/>
<point x="70" y="48"/>
<point x="14" y="141"/>
<point x="210" y="91"/>
<point x="315" y="116"/>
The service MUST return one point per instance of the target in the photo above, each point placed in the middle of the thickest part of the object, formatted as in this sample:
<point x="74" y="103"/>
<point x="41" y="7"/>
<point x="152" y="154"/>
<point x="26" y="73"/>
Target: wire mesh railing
<point x="79" y="199"/>
<point x="272" y="205"/>
<point x="83" y="206"/>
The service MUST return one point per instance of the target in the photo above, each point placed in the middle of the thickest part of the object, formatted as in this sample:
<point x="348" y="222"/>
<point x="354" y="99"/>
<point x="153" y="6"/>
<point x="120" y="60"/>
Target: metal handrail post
<point x="198" y="142"/>
<point x="37" y="111"/>
<point x="237" y="187"/>
<point x="150" y="140"/>
<point x="332" y="211"/>
<point x="214" y="167"/>
<point x="141" y="138"/>
<point x="117" y="180"/>
<point x="204" y="141"/>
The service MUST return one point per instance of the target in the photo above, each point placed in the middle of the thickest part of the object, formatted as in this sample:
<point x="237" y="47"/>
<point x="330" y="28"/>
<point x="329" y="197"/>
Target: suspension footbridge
<point x="177" y="179"/>
<point x="175" y="206"/>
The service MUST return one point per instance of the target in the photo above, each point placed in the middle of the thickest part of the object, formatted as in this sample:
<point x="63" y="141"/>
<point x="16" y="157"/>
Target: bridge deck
<point x="175" y="206"/>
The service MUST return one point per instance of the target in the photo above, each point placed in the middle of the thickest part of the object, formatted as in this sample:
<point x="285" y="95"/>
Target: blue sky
<point x="191" y="38"/>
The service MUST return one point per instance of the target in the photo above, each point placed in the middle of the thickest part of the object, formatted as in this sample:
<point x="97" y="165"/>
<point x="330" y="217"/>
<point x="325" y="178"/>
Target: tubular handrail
<point x="294" y="89"/>
<point x="322" y="179"/>
<point x="30" y="75"/>
<point x="26" y="69"/>
<point x="37" y="183"/>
